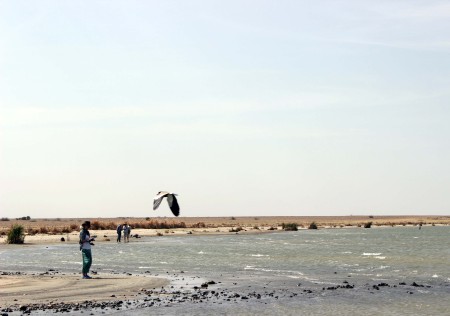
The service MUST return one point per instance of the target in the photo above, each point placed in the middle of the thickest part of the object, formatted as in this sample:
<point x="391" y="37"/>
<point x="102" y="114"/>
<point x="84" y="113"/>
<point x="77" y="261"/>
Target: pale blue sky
<point x="243" y="108"/>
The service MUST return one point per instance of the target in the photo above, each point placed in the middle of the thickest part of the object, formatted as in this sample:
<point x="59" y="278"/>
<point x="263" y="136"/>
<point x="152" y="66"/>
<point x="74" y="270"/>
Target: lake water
<point x="296" y="272"/>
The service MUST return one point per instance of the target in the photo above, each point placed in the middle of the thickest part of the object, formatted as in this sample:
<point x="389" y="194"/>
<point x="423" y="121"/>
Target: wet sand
<point x="51" y="288"/>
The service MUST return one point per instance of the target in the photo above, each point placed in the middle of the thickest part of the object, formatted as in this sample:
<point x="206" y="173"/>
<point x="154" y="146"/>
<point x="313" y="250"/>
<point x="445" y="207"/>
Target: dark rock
<point x="416" y="285"/>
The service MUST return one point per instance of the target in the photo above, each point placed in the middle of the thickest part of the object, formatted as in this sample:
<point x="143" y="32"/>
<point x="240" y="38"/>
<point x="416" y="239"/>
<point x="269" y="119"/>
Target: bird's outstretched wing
<point x="158" y="199"/>
<point x="173" y="204"/>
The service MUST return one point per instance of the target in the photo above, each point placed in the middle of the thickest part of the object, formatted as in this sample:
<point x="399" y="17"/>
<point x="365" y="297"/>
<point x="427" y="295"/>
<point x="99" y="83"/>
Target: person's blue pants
<point x="87" y="260"/>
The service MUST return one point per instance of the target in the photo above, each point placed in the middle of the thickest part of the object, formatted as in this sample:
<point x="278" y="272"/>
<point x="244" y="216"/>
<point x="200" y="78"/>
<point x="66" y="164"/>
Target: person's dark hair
<point x="86" y="224"/>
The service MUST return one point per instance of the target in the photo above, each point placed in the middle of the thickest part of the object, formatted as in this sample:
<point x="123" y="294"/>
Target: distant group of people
<point x="126" y="229"/>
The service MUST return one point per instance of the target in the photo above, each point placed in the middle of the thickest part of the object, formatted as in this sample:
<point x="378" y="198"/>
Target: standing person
<point x="85" y="247"/>
<point x="119" y="232"/>
<point x="125" y="232"/>
<point x="129" y="232"/>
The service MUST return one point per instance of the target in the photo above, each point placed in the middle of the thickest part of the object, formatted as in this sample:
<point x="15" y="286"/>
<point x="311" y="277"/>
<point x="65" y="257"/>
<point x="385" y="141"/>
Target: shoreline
<point x="110" y="236"/>
<point x="203" y="226"/>
<point x="62" y="292"/>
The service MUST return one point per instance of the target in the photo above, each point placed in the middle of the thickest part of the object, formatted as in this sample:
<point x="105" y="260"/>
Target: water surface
<point x="285" y="263"/>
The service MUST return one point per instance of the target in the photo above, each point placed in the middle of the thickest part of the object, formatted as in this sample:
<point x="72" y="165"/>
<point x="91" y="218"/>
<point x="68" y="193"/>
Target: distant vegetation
<point x="313" y="225"/>
<point x="16" y="235"/>
<point x="368" y="225"/>
<point x="24" y="218"/>
<point x="289" y="226"/>
<point x="4" y="219"/>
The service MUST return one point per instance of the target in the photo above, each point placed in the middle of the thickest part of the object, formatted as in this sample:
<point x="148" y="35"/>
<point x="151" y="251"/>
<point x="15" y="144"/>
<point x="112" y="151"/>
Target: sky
<point x="243" y="108"/>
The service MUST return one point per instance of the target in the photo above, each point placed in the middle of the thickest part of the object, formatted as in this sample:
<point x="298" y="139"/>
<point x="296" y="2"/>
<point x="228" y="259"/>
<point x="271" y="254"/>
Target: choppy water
<point x="284" y="262"/>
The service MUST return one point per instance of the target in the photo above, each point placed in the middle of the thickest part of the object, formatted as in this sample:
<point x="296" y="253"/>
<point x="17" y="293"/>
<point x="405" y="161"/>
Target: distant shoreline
<point x="39" y="231"/>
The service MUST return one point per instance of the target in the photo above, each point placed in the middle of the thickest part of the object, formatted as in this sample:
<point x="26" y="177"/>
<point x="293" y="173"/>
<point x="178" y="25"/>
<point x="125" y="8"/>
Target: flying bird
<point x="171" y="199"/>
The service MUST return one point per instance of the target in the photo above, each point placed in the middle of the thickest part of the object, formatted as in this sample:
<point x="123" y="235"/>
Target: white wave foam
<point x="435" y="276"/>
<point x="272" y="270"/>
<point x="200" y="252"/>
<point x="380" y="257"/>
<point x="259" y="255"/>
<point x="371" y="253"/>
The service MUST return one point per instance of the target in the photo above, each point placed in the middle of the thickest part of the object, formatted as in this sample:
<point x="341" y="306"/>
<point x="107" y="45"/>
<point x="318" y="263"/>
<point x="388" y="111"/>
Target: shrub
<point x="235" y="230"/>
<point x="43" y="230"/>
<point x="233" y="218"/>
<point x="74" y="227"/>
<point x="199" y="225"/>
<point x="368" y="225"/>
<point x="32" y="231"/>
<point x="289" y="226"/>
<point x="55" y="231"/>
<point x="4" y="219"/>
<point x="313" y="225"/>
<point x="65" y="230"/>
<point x="95" y="225"/>
<point x="16" y="235"/>
<point x="272" y="228"/>
<point x="154" y="224"/>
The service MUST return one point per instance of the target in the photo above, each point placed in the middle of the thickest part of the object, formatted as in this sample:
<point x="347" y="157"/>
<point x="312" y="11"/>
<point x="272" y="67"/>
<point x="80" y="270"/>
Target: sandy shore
<point x="203" y="225"/>
<point x="50" y="289"/>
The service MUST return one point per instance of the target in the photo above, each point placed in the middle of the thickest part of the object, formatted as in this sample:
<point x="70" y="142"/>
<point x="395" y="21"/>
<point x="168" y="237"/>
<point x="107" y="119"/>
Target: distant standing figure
<point x="125" y="233"/>
<point x="128" y="232"/>
<point x="85" y="247"/>
<point x="119" y="232"/>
